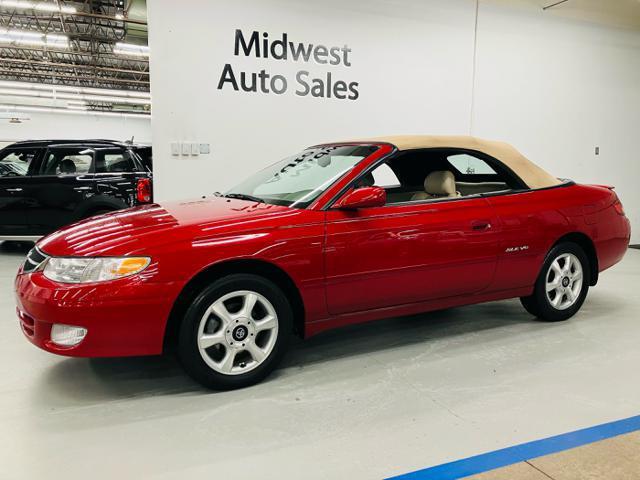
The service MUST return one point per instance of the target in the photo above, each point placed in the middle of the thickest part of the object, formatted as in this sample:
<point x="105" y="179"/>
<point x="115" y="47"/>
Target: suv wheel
<point x="235" y="332"/>
<point x="562" y="285"/>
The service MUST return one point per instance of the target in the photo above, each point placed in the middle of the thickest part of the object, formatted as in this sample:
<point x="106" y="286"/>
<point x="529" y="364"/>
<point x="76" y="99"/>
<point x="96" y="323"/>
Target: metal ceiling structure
<point x="84" y="44"/>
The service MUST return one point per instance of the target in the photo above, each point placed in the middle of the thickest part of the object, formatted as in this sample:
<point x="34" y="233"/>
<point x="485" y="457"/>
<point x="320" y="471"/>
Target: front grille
<point x="34" y="259"/>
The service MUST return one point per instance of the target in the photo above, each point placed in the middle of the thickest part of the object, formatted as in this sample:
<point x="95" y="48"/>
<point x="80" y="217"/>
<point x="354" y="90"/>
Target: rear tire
<point x="562" y="285"/>
<point x="235" y="332"/>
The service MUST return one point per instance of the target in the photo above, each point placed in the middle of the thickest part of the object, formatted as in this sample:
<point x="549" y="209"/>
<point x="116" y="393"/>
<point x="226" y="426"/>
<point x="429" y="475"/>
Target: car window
<point x="114" y="161"/>
<point x="67" y="161"/>
<point x="384" y="177"/>
<point x="470" y="165"/>
<point x="15" y="163"/>
<point x="145" y="154"/>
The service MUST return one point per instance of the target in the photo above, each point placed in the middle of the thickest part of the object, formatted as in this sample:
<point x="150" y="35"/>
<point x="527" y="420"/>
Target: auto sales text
<point x="261" y="46"/>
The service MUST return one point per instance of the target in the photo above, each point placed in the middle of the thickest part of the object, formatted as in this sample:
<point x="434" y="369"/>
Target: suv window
<point x="145" y="155"/>
<point x="67" y="161"/>
<point x="115" y="160"/>
<point x="15" y="163"/>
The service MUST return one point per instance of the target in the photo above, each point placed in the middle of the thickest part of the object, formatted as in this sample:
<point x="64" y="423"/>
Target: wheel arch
<point x="97" y="203"/>
<point x="90" y="212"/>
<point x="211" y="273"/>
<point x="589" y="248"/>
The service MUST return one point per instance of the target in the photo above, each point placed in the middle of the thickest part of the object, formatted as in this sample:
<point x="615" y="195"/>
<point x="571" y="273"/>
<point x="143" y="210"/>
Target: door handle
<point x="480" y="225"/>
<point x="81" y="189"/>
<point x="14" y="189"/>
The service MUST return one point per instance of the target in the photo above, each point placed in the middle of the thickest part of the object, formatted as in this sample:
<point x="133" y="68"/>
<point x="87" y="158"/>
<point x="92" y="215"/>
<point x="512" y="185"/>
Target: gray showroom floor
<point x="365" y="402"/>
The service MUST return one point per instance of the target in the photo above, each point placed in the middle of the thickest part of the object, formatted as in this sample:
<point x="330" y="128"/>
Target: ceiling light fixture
<point x="68" y="88"/>
<point x="40" y="6"/>
<point x="104" y="98"/>
<point x="131" y="49"/>
<point x="77" y="97"/>
<point x="22" y="37"/>
<point x="24" y="108"/>
<point x="74" y="93"/>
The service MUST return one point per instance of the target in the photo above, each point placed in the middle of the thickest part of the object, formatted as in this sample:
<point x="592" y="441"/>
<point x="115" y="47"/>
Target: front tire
<point x="235" y="332"/>
<point x="562" y="285"/>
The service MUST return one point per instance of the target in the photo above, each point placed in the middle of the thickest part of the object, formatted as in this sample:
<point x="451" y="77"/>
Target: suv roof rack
<point x="49" y="142"/>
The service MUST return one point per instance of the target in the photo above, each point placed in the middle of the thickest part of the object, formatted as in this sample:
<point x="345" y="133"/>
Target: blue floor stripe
<point x="519" y="453"/>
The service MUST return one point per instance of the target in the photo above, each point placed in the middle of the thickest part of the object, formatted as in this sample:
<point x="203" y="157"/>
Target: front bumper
<point x="123" y="317"/>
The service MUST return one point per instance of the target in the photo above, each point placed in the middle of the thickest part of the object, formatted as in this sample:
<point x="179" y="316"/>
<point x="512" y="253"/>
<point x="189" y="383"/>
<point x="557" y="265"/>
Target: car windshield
<point x="298" y="180"/>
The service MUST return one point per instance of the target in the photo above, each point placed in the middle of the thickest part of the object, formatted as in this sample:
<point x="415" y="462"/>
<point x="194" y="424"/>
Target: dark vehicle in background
<point x="46" y="184"/>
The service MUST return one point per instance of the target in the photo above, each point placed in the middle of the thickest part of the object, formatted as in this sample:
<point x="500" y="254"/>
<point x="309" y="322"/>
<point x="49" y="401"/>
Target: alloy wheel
<point x="564" y="281"/>
<point x="237" y="332"/>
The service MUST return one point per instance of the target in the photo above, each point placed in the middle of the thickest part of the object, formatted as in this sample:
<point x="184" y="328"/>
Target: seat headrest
<point x="441" y="183"/>
<point x="67" y="166"/>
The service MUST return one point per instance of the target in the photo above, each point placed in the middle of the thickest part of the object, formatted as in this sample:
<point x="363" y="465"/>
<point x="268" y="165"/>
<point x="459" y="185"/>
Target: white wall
<point x="558" y="88"/>
<point x="553" y="87"/>
<point x="38" y="125"/>
<point x="413" y="60"/>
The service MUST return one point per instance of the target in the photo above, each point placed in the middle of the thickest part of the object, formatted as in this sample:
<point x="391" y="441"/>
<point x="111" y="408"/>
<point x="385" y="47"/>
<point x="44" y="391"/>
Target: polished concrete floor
<point x="370" y="401"/>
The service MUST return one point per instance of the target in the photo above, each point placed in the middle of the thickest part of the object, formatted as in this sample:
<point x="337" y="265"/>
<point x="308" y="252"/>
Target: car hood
<point x="137" y="230"/>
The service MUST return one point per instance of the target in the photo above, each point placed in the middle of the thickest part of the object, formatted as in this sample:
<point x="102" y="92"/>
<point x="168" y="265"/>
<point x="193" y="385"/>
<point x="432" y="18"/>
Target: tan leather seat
<point x="439" y="184"/>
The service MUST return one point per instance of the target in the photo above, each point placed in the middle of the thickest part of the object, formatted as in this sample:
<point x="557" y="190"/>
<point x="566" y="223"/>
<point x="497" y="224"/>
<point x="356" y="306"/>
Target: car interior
<point x="15" y="163"/>
<point x="113" y="161"/>
<point x="433" y="174"/>
<point x="62" y="161"/>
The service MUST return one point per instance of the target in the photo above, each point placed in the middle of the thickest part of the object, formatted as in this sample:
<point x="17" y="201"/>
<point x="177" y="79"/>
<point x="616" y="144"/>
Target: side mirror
<point x="363" y="197"/>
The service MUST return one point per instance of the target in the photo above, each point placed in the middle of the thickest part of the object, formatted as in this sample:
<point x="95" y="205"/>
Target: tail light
<point x="617" y="204"/>
<point x="143" y="190"/>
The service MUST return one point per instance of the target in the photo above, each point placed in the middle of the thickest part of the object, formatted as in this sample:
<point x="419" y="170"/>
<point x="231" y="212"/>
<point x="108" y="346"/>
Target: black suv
<point x="46" y="184"/>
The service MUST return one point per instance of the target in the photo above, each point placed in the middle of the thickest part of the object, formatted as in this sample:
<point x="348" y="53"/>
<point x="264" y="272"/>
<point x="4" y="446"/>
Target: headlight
<point x="97" y="269"/>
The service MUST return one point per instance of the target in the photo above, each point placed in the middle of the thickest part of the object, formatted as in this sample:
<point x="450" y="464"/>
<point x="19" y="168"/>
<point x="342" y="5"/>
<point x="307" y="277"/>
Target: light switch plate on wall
<point x="189" y="148"/>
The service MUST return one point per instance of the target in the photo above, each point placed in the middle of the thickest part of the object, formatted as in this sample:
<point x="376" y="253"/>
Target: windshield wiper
<point x="244" y="196"/>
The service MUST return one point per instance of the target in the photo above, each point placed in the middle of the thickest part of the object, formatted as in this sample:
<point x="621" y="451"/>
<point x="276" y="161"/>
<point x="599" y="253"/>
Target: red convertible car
<point x="340" y="233"/>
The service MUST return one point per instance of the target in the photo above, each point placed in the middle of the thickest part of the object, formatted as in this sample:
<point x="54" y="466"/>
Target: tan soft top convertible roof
<point x="529" y="172"/>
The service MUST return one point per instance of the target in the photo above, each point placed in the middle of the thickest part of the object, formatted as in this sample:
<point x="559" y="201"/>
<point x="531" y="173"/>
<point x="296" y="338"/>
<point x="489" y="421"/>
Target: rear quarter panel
<point x="537" y="219"/>
<point x="529" y="225"/>
<point x="610" y="231"/>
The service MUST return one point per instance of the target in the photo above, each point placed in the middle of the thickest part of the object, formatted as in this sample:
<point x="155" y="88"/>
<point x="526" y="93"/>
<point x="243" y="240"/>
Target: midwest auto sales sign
<point x="260" y="45"/>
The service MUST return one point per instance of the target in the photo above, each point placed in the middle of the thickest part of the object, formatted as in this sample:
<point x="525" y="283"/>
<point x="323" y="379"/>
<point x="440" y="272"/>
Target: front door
<point x="15" y="164"/>
<point x="62" y="182"/>
<point x="410" y="252"/>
